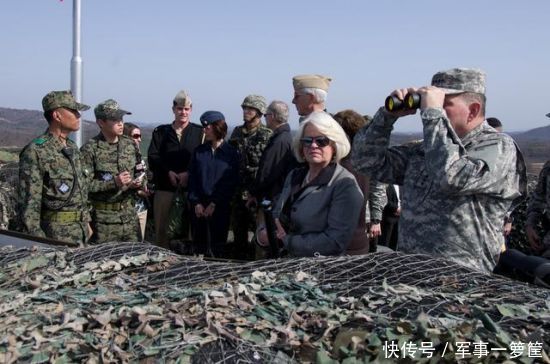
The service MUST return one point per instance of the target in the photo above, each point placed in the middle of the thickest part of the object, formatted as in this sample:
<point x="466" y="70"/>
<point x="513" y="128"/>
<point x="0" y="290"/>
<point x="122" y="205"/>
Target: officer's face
<point x="68" y="119"/>
<point x="182" y="114"/>
<point x="303" y="102"/>
<point x="458" y="112"/>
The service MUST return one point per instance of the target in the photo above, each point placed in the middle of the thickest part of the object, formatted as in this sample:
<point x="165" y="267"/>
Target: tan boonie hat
<point x="57" y="99"/>
<point x="311" y="81"/>
<point x="109" y="110"/>
<point x="459" y="80"/>
<point x="182" y="99"/>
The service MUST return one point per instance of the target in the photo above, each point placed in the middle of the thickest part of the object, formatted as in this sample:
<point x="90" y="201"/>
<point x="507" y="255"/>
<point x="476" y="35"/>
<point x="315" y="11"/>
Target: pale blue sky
<point x="142" y="53"/>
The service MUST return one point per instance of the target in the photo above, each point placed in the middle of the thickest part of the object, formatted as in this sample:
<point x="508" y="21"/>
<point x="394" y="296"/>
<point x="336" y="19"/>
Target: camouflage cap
<point x="311" y="81"/>
<point x="459" y="80"/>
<point x="255" y="101"/>
<point x="182" y="99"/>
<point x="109" y="110"/>
<point x="57" y="99"/>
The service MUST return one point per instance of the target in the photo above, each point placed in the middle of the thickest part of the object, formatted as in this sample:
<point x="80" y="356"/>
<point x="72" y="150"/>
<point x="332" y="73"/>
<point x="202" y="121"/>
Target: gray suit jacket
<point x="322" y="216"/>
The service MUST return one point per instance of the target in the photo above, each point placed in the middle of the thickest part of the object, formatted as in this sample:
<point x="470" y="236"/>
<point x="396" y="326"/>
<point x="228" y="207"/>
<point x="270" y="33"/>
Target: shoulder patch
<point x="39" y="141"/>
<point x="488" y="151"/>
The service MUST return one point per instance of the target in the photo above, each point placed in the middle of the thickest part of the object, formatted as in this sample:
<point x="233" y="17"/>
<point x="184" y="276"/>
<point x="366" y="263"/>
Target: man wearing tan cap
<point x="53" y="190"/>
<point x="459" y="183"/>
<point x="169" y="154"/>
<point x="310" y="93"/>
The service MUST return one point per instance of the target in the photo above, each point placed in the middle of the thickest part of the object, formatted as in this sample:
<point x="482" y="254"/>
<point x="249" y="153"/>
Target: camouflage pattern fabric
<point x="538" y="209"/>
<point x="376" y="201"/>
<point x="455" y="192"/>
<point x="49" y="185"/>
<point x="114" y="217"/>
<point x="250" y="145"/>
<point x="110" y="110"/>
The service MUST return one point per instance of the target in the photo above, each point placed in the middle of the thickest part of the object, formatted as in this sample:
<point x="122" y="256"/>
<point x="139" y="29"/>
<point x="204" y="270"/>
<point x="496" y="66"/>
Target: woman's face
<point x="209" y="133"/>
<point x="316" y="148"/>
<point x="135" y="134"/>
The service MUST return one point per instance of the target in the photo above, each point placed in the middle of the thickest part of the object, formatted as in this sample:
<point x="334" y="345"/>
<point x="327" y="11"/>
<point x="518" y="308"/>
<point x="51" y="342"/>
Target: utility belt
<point x="111" y="206"/>
<point x="62" y="216"/>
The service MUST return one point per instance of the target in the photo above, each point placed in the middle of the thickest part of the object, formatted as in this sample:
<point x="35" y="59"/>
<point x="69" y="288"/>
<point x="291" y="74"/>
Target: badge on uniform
<point x="63" y="188"/>
<point x="106" y="176"/>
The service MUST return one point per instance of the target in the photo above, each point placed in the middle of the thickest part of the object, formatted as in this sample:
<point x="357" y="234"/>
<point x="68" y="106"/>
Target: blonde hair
<point x="329" y="128"/>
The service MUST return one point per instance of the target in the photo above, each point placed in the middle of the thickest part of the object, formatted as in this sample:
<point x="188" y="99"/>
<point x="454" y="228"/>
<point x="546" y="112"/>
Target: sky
<point x="141" y="53"/>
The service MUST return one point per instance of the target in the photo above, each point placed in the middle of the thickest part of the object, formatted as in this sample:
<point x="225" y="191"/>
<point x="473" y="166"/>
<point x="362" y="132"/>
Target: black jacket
<point x="276" y="162"/>
<point x="167" y="153"/>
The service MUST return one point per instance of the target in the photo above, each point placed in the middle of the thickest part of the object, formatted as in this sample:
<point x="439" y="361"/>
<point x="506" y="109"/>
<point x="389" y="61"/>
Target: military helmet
<point x="256" y="102"/>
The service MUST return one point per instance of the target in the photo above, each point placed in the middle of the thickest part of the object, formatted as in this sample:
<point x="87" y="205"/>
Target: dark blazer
<point x="167" y="153"/>
<point x="213" y="176"/>
<point x="276" y="162"/>
<point x="322" y="216"/>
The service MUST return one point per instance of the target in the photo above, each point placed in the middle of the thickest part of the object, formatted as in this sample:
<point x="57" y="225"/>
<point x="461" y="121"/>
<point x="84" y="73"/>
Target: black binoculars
<point x="410" y="102"/>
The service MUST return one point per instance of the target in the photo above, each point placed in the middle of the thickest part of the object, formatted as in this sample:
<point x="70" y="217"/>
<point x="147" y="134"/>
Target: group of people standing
<point x="451" y="191"/>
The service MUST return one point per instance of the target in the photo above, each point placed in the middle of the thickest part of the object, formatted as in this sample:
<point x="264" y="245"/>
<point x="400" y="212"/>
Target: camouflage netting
<point x="128" y="302"/>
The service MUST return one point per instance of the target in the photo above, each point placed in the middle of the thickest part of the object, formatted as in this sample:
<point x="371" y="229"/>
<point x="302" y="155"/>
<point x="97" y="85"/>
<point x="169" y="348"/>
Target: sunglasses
<point x="320" y="141"/>
<point x="136" y="136"/>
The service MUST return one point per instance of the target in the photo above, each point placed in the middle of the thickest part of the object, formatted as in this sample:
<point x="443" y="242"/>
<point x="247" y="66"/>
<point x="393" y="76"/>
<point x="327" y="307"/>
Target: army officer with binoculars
<point x="458" y="182"/>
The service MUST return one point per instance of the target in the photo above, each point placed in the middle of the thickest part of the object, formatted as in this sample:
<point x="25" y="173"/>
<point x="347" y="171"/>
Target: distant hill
<point x="18" y="127"/>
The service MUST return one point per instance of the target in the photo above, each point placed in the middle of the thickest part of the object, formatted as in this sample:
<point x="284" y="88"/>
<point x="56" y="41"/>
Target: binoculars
<point x="410" y="102"/>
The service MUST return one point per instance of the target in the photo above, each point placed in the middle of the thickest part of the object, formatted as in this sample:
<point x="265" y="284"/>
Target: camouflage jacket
<point x="539" y="202"/>
<point x="456" y="192"/>
<point x="49" y="183"/>
<point x="250" y="145"/>
<point x="376" y="201"/>
<point x="104" y="161"/>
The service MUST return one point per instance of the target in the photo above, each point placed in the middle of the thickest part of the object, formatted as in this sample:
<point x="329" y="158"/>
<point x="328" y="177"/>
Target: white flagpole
<point x="76" y="66"/>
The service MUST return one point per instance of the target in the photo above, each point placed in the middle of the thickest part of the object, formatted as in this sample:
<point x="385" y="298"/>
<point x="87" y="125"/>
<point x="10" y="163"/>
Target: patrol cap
<point x="311" y="81"/>
<point x="182" y="99"/>
<point x="459" y="80"/>
<point x="57" y="99"/>
<point x="109" y="110"/>
<point x="209" y="117"/>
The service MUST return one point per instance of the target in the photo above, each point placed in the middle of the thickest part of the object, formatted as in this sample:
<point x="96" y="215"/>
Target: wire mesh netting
<point x="127" y="302"/>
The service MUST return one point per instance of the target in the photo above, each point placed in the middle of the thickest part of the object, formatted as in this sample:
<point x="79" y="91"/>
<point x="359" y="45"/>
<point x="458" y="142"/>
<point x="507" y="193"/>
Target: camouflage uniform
<point x="250" y="144"/>
<point x="114" y="217"/>
<point x="456" y="192"/>
<point x="538" y="209"/>
<point x="52" y="195"/>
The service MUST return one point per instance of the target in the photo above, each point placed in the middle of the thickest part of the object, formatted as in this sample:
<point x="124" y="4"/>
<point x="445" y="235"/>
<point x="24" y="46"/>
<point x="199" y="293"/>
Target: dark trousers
<point x="243" y="221"/>
<point x="210" y="234"/>
<point x="389" y="227"/>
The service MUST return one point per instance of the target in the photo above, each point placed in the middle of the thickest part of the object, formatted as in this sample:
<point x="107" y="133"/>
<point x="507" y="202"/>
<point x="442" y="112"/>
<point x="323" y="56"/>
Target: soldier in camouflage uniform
<point x="53" y="193"/>
<point x="250" y="139"/>
<point x="111" y="158"/>
<point x="538" y="210"/>
<point x="310" y="94"/>
<point x="459" y="183"/>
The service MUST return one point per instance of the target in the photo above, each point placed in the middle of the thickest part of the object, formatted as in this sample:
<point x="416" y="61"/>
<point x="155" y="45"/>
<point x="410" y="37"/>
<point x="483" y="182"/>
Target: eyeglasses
<point x="136" y="136"/>
<point x="320" y="141"/>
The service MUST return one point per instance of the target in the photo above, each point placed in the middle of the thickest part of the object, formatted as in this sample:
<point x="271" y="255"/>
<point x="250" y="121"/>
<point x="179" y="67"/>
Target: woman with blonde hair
<point x="318" y="209"/>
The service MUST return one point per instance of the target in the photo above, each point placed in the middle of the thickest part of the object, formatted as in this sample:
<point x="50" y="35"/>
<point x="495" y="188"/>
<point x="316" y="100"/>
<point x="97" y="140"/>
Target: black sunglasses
<point x="320" y="141"/>
<point x="136" y="136"/>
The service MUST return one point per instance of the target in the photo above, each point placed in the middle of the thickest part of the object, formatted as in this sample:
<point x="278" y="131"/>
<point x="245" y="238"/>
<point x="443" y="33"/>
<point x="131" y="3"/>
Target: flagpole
<point x="76" y="66"/>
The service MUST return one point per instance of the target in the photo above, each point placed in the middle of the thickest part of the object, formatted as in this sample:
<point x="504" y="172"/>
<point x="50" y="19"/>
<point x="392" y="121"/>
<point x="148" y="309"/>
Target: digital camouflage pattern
<point x="48" y="184"/>
<point x="114" y="217"/>
<point x="538" y="209"/>
<point x="376" y="201"/>
<point x="57" y="99"/>
<point x="250" y="144"/>
<point x="458" y="80"/>
<point x="110" y="110"/>
<point x="255" y="101"/>
<point x="455" y="192"/>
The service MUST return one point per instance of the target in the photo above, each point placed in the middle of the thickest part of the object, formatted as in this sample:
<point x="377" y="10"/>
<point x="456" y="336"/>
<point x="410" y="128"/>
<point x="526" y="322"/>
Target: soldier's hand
<point x="401" y="93"/>
<point x="431" y="97"/>
<point x="534" y="238"/>
<point x="375" y="230"/>
<point x="281" y="233"/>
<point x="209" y="209"/>
<point x="123" y="179"/>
